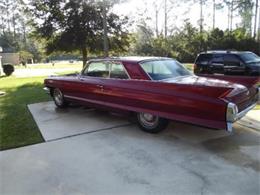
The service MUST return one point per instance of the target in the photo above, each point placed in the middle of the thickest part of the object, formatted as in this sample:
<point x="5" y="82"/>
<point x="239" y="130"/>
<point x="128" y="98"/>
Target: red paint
<point x="192" y="99"/>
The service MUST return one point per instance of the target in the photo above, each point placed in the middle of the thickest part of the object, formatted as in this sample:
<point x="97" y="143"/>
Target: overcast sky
<point x="177" y="15"/>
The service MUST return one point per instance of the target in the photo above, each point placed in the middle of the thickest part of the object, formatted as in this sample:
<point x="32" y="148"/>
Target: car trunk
<point x="243" y="93"/>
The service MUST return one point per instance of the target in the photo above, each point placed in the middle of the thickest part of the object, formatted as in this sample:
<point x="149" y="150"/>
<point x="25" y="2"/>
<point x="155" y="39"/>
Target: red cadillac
<point x="157" y="90"/>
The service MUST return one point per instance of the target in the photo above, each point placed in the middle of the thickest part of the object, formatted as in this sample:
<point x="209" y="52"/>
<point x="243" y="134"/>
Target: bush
<point x="8" y="69"/>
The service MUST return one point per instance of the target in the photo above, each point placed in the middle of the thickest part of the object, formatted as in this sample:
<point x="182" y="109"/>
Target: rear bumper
<point x="239" y="116"/>
<point x="258" y="94"/>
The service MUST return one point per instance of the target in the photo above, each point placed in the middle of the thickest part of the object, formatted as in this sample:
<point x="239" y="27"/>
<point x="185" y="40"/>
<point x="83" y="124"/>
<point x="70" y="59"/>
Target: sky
<point x="176" y="15"/>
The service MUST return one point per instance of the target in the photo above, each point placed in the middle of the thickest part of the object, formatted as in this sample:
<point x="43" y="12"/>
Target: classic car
<point x="156" y="90"/>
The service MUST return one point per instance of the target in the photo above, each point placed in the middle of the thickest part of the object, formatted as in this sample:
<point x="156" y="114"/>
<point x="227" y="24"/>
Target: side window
<point x="204" y="59"/>
<point x="217" y="59"/>
<point x="118" y="71"/>
<point x="97" y="69"/>
<point x="231" y="60"/>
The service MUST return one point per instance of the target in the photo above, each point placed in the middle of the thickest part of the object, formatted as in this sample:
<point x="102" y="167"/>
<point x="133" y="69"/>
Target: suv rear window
<point x="204" y="59"/>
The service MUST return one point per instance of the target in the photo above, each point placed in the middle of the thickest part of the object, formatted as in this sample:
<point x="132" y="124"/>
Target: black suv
<point x="227" y="62"/>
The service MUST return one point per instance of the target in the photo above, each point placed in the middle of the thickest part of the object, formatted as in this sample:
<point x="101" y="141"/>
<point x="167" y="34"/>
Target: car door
<point x="114" y="88"/>
<point x="217" y="64"/>
<point x="91" y="89"/>
<point x="233" y="65"/>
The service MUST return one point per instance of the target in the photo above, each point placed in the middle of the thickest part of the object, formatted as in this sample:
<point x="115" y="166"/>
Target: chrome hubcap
<point x="148" y="119"/>
<point x="58" y="96"/>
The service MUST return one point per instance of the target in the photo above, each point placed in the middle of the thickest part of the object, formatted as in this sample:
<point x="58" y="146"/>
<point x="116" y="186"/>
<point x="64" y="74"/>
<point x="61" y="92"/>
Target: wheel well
<point x="51" y="91"/>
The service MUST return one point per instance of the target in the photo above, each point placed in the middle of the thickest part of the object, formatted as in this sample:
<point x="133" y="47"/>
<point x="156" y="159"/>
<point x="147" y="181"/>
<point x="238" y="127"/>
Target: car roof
<point x="224" y="52"/>
<point x="130" y="59"/>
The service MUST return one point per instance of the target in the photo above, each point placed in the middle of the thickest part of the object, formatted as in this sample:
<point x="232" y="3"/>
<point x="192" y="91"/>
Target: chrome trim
<point x="231" y="112"/>
<point x="239" y="116"/>
<point x="229" y="127"/>
<point x="258" y="94"/>
<point x="47" y="89"/>
<point x="243" y="112"/>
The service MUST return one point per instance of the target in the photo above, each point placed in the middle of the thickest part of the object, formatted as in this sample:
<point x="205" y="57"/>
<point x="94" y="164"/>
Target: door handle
<point x="101" y="87"/>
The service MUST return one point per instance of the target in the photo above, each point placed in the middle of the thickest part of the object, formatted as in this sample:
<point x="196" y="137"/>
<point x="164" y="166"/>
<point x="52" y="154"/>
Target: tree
<point x="25" y="56"/>
<point x="70" y="25"/>
<point x="245" y="8"/>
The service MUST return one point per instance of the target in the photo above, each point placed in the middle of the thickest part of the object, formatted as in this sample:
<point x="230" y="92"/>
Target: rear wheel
<point x="58" y="98"/>
<point x="151" y="123"/>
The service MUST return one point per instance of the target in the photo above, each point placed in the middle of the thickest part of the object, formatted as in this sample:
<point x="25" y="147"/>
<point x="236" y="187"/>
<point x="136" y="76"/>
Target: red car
<point x="156" y="90"/>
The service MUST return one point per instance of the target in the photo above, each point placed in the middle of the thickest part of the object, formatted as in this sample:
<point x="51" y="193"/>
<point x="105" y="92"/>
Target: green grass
<point x="17" y="127"/>
<point x="189" y="66"/>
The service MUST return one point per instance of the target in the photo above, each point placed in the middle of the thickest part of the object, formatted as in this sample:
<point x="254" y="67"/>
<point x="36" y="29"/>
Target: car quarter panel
<point x="175" y="102"/>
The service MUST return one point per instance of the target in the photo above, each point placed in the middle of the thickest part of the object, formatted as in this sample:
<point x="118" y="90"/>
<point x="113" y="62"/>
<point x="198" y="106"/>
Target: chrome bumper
<point x="47" y="89"/>
<point x="258" y="94"/>
<point x="239" y="116"/>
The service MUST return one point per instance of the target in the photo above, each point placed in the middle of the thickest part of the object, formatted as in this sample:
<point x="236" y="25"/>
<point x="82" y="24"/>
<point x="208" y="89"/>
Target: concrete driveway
<point x="121" y="159"/>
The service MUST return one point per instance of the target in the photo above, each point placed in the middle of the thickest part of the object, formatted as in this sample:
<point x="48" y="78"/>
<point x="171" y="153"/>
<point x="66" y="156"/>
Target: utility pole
<point x="165" y="18"/>
<point x="256" y="12"/>
<point x="105" y="38"/>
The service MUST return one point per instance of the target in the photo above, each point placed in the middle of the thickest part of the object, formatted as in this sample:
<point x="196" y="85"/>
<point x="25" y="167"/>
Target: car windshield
<point x="250" y="57"/>
<point x="164" y="69"/>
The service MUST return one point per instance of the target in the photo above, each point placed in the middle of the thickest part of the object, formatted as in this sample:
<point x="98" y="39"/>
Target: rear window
<point x="204" y="59"/>
<point x="164" y="69"/>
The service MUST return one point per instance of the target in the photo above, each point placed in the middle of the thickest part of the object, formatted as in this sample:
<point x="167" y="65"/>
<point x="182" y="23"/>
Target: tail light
<point x="231" y="112"/>
<point x="194" y="66"/>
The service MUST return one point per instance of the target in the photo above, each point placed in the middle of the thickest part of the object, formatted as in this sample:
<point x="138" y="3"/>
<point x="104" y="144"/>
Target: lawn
<point x="188" y="66"/>
<point x="17" y="127"/>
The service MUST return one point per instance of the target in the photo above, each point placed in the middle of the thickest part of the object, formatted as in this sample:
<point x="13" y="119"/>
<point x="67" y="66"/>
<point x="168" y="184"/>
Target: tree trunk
<point x="256" y="13"/>
<point x="84" y="55"/>
<point x="258" y="33"/>
<point x="228" y="18"/>
<point x="105" y="38"/>
<point x="231" y="15"/>
<point x="201" y="16"/>
<point x="156" y="23"/>
<point x="14" y="27"/>
<point x="165" y="19"/>
<point x="214" y="13"/>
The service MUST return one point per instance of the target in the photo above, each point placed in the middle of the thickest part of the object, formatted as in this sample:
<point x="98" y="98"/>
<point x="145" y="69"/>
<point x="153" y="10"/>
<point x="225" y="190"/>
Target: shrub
<point x="8" y="69"/>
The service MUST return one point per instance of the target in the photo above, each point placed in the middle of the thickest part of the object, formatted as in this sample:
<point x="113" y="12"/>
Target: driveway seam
<point x="65" y="137"/>
<point x="89" y="132"/>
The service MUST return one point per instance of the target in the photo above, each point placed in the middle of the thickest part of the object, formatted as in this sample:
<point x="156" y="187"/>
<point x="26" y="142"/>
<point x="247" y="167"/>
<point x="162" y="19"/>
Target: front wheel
<point x="59" y="98"/>
<point x="151" y="123"/>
